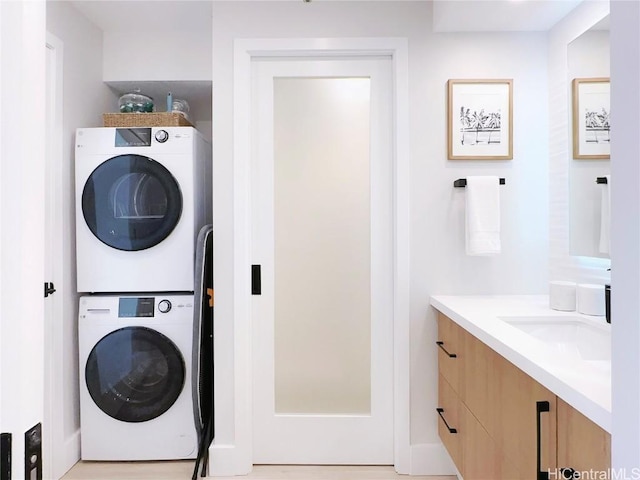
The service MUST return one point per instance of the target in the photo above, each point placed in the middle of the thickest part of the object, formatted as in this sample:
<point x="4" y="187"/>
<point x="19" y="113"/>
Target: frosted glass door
<point x="322" y="328"/>
<point x="322" y="252"/>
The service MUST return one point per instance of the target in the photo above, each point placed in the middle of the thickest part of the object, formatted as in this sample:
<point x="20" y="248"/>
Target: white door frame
<point x="57" y="456"/>
<point x="236" y="459"/>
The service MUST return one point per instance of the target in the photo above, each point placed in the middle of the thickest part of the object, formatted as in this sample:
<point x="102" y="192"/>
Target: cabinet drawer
<point x="481" y="459"/>
<point x="449" y="407"/>
<point x="582" y="445"/>
<point x="480" y="383"/>
<point x="519" y="395"/>
<point x="450" y="341"/>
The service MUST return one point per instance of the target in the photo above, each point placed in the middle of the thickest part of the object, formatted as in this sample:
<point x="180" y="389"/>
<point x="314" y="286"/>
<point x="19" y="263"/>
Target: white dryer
<point x="142" y="195"/>
<point x="136" y="396"/>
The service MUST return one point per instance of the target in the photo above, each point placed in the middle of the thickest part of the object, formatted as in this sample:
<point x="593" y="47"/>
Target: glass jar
<point x="182" y="107"/>
<point x="135" y="102"/>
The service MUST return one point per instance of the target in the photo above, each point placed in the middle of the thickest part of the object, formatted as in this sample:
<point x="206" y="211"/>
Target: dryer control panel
<point x="133" y="137"/>
<point x="153" y="142"/>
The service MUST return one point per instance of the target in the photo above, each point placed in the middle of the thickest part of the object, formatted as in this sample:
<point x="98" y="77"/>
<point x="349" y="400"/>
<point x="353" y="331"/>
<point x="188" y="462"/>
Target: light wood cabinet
<point x="481" y="386"/>
<point x="516" y="415"/>
<point x="449" y="426"/>
<point x="508" y="426"/>
<point x="480" y="458"/>
<point x="582" y="445"/>
<point x="450" y="338"/>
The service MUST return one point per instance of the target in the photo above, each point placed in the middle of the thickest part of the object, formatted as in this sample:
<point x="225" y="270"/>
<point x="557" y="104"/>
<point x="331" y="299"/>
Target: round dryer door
<point x="131" y="202"/>
<point x="135" y="374"/>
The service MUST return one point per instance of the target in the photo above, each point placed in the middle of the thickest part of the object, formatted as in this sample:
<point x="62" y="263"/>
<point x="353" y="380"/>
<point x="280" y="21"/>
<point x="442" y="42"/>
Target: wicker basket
<point x="156" y="119"/>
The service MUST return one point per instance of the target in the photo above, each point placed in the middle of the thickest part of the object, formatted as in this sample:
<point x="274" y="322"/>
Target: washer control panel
<point x="165" y="308"/>
<point x="129" y="307"/>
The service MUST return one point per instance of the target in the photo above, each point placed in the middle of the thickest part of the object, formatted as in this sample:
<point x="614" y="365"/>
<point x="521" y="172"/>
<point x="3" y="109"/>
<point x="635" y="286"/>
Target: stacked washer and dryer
<point x="142" y="197"/>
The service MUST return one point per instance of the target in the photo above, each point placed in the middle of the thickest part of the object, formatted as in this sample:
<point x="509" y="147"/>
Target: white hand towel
<point x="605" y="216"/>
<point x="482" y="215"/>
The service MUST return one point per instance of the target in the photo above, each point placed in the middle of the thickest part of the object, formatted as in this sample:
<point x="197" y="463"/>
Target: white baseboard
<point x="70" y="456"/>
<point x="431" y="459"/>
<point x="224" y="462"/>
<point x="426" y="459"/>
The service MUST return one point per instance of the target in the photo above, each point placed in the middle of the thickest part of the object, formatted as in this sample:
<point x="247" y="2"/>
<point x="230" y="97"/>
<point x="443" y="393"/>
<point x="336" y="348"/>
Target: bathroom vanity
<point x="523" y="391"/>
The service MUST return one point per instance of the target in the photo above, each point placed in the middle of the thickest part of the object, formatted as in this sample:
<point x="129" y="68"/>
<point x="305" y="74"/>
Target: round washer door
<point x="131" y="202"/>
<point x="135" y="374"/>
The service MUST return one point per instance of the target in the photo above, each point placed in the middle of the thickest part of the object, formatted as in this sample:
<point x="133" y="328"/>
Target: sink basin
<point x="571" y="335"/>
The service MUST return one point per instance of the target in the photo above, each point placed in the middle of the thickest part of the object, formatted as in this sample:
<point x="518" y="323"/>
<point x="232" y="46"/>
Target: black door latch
<point x="49" y="289"/>
<point x="256" y="281"/>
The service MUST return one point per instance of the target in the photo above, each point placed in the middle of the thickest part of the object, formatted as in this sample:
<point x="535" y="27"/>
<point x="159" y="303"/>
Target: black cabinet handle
<point x="441" y="345"/>
<point x="541" y="407"/>
<point x="440" y="412"/>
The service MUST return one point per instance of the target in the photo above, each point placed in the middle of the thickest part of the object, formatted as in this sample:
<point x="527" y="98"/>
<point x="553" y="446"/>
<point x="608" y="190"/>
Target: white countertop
<point x="580" y="384"/>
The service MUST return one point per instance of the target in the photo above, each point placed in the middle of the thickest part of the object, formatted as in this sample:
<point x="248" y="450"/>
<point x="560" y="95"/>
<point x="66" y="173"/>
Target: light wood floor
<point x="183" y="471"/>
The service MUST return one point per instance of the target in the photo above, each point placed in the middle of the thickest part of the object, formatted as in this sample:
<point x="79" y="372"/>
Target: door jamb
<point x="236" y="459"/>
<point x="58" y="458"/>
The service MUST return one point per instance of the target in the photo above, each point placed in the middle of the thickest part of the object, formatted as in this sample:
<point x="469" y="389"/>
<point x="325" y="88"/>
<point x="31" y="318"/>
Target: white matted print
<point x="480" y="119"/>
<point x="591" y="109"/>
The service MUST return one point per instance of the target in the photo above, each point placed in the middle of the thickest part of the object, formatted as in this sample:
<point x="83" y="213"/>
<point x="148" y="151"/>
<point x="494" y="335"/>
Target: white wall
<point x="160" y="55"/>
<point x="439" y="264"/>
<point x="625" y="235"/>
<point x="22" y="153"/>
<point x="85" y="99"/>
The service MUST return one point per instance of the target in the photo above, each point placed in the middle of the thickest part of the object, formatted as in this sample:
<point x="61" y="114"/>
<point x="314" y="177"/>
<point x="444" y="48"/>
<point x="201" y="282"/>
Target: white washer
<point x="142" y="195"/>
<point x="136" y="396"/>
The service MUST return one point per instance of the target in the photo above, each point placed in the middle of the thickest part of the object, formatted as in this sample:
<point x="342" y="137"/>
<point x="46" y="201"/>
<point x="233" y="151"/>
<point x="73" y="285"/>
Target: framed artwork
<point x="480" y="119"/>
<point x="591" y="108"/>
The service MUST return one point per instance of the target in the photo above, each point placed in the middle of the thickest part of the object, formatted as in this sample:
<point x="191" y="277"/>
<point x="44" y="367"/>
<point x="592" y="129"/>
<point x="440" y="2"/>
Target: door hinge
<point x="49" y="289"/>
<point x="256" y="281"/>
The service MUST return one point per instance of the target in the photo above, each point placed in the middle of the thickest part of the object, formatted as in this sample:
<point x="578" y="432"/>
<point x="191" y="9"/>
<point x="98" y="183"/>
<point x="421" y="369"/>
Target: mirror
<point x="588" y="58"/>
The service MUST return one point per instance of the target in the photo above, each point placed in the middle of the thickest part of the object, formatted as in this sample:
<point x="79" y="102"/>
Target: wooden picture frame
<point x="591" y="109"/>
<point x="480" y="119"/>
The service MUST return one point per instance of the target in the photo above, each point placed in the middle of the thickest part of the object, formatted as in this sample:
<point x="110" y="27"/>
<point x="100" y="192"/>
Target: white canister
<point x="562" y="295"/>
<point x="590" y="299"/>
